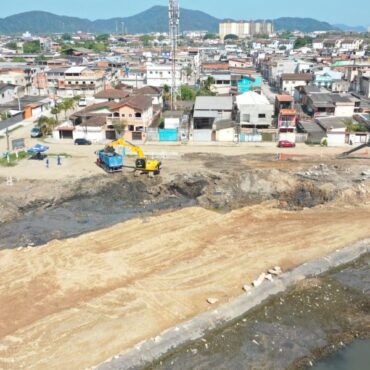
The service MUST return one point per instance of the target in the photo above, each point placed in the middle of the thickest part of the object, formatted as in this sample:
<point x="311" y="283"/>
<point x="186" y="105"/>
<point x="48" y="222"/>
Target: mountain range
<point x="154" y="19"/>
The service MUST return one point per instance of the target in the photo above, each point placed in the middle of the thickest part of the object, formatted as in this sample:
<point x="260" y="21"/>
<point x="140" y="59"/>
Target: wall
<point x="226" y="135"/>
<point x="344" y="111"/>
<point x="253" y="111"/>
<point x="336" y="138"/>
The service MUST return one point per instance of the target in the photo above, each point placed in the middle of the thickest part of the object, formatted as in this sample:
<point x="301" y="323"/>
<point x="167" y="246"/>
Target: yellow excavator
<point x="142" y="164"/>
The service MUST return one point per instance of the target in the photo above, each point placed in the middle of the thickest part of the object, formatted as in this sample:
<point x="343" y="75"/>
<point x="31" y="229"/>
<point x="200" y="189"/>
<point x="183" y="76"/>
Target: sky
<point x="356" y="13"/>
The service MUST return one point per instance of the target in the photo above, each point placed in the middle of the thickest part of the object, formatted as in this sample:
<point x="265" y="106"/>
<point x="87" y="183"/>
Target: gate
<point x="168" y="135"/>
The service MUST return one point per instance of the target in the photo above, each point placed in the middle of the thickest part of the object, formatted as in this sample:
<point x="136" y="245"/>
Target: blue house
<point x="248" y="83"/>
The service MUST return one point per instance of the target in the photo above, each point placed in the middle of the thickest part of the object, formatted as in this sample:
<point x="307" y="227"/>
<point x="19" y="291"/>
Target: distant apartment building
<point x="244" y="29"/>
<point x="159" y="75"/>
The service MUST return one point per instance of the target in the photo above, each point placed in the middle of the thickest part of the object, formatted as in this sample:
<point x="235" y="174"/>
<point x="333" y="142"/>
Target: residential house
<point x="135" y="114"/>
<point x="159" y="75"/>
<point x="207" y="111"/>
<point x="287" y="121"/>
<point x="254" y="110"/>
<point x="284" y="101"/>
<point x="289" y="81"/>
<point x="7" y="92"/>
<point x="109" y="95"/>
<point x="335" y="129"/>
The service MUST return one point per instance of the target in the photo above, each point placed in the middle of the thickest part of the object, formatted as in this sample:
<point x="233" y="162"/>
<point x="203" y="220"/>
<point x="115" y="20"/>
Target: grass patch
<point x="13" y="159"/>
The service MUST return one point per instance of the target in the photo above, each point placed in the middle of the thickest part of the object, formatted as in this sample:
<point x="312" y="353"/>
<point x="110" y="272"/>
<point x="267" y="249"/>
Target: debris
<point x="269" y="277"/>
<point x="255" y="342"/>
<point x="259" y="281"/>
<point x="247" y="288"/>
<point x="212" y="300"/>
<point x="275" y="271"/>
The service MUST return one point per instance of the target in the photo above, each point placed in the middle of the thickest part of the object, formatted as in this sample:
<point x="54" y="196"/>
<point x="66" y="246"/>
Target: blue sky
<point x="355" y="13"/>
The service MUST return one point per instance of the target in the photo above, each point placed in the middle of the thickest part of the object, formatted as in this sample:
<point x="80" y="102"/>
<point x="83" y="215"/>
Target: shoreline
<point x="153" y="348"/>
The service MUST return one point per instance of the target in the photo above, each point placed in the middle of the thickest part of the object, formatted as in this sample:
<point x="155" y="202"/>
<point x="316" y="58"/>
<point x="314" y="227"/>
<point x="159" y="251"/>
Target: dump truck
<point x="109" y="161"/>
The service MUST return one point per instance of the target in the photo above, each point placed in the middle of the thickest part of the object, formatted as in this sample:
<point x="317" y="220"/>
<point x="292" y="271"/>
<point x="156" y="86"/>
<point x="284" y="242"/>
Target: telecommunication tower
<point x="174" y="18"/>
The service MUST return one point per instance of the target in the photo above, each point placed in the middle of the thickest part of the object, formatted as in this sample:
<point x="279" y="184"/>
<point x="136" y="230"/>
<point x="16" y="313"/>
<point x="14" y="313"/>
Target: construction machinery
<point x="346" y="154"/>
<point x="142" y="164"/>
<point x="109" y="161"/>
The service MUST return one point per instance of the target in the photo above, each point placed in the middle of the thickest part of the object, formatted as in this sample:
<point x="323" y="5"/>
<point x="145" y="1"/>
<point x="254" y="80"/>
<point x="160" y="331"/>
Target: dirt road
<point x="73" y="304"/>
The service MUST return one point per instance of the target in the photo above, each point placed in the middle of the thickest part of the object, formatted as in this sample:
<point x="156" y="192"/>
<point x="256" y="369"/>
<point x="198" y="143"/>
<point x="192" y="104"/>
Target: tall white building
<point x="244" y="29"/>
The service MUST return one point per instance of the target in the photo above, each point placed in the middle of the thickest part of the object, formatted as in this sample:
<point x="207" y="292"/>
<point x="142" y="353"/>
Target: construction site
<point x="95" y="263"/>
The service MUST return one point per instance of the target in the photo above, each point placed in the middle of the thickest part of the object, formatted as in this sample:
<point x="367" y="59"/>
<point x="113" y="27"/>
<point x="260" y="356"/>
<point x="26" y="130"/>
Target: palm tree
<point x="66" y="105"/>
<point x="56" y="110"/>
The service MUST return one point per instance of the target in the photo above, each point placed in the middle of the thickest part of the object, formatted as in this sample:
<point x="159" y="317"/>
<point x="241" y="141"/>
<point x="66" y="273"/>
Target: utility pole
<point x="174" y="25"/>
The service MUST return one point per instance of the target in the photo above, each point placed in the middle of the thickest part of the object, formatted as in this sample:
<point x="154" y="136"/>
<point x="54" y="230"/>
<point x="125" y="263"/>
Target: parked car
<point x="82" y="102"/>
<point x="36" y="132"/>
<point x="82" y="142"/>
<point x="286" y="144"/>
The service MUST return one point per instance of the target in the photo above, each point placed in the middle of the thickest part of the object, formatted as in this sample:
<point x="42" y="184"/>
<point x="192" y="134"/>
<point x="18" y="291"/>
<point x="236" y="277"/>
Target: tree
<point x="231" y="37"/>
<point x="120" y="126"/>
<point x="19" y="60"/>
<point x="187" y="93"/>
<point x="103" y="38"/>
<point x="32" y="47"/>
<point x="302" y="42"/>
<point x="11" y="45"/>
<point x="66" y="105"/>
<point x="66" y="37"/>
<point x="208" y="83"/>
<point x="46" y="124"/>
<point x="146" y="40"/>
<point x="56" y="110"/>
<point x="210" y="36"/>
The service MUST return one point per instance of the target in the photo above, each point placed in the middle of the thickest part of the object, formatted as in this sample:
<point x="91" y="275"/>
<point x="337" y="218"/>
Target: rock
<point x="212" y="300"/>
<point x="269" y="277"/>
<point x="275" y="271"/>
<point x="259" y="281"/>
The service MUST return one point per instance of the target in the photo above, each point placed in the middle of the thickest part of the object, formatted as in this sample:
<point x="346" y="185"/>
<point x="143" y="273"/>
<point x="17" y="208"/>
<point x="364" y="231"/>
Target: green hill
<point x="154" y="19"/>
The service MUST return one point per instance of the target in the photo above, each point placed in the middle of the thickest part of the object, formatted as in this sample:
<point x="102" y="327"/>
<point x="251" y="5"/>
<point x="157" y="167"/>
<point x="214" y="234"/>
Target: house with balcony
<point x="134" y="114"/>
<point x="287" y="123"/>
<point x="80" y="80"/>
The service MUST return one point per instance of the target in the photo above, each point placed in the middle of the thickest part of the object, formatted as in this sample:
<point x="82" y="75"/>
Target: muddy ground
<point x="47" y="210"/>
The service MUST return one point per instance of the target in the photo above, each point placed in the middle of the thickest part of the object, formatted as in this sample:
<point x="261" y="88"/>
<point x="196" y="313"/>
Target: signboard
<point x="18" y="144"/>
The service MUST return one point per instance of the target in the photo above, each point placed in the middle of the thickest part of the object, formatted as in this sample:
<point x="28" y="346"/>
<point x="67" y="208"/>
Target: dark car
<point x="286" y="144"/>
<point x="82" y="142"/>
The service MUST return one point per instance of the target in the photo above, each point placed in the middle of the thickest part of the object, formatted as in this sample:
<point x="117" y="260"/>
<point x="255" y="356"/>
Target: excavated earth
<point x="120" y="259"/>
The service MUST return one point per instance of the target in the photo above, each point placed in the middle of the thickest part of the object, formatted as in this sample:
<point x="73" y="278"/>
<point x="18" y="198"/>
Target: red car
<point x="286" y="144"/>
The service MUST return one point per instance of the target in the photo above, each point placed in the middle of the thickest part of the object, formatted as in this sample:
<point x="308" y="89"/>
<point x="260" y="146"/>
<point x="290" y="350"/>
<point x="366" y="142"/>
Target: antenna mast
<point x="174" y="18"/>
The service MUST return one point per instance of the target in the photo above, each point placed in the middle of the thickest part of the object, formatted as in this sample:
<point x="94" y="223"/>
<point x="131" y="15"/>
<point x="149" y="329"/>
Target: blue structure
<point x="249" y="84"/>
<point x="168" y="135"/>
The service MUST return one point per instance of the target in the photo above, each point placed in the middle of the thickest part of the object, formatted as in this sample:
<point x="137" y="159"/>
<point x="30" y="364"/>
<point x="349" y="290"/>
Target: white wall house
<point x="159" y="75"/>
<point x="254" y="110"/>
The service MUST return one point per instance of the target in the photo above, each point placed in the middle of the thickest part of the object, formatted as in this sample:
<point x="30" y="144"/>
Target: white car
<point x="82" y="102"/>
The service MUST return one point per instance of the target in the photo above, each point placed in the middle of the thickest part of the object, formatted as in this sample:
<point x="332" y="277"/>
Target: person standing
<point x="59" y="160"/>
<point x="47" y="162"/>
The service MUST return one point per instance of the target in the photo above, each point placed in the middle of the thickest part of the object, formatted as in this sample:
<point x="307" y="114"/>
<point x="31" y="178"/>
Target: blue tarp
<point x="38" y="148"/>
<point x="168" y="135"/>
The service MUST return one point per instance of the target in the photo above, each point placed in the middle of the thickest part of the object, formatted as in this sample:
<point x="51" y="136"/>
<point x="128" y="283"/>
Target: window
<point x="123" y="115"/>
<point x="262" y="115"/>
<point x="116" y="114"/>
<point x="130" y="115"/>
<point x="138" y="115"/>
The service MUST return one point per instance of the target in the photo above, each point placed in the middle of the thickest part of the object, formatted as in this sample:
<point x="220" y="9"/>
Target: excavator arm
<point x="356" y="149"/>
<point x="127" y="144"/>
